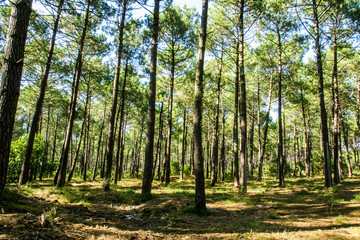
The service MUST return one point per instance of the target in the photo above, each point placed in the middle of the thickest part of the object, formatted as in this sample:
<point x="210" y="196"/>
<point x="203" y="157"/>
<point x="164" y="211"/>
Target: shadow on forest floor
<point x="304" y="209"/>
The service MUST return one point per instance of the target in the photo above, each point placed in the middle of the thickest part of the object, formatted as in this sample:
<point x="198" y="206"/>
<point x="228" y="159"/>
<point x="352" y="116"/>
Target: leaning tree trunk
<point x="215" y="151"/>
<point x="24" y="175"/>
<point x="200" y="202"/>
<point x="149" y="149"/>
<point x="61" y="173"/>
<point x="110" y="134"/>
<point x="11" y="78"/>
<point x="72" y="170"/>
<point x="323" y="114"/>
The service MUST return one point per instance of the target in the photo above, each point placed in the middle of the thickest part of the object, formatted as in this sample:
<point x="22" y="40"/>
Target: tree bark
<point x="24" y="175"/>
<point x="149" y="148"/>
<point x="215" y="151"/>
<point x="159" y="143"/>
<point x="110" y="134"/>
<point x="323" y="114"/>
<point x="336" y="114"/>
<point x="280" y="157"/>
<point x="99" y="146"/>
<point x="183" y="152"/>
<point x="236" y="121"/>
<point x="83" y="125"/>
<point x="222" y="151"/>
<point x="61" y="173"/>
<point x="200" y="201"/>
<point x="169" y="119"/>
<point x="242" y="107"/>
<point x="267" y="119"/>
<point x="119" y="149"/>
<point x="11" y="78"/>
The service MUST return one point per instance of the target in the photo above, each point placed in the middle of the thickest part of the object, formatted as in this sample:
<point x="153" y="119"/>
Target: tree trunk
<point x="295" y="152"/>
<point x="215" y="151"/>
<point x="38" y="108"/>
<point x="61" y="173"/>
<point x="346" y="143"/>
<point x="119" y="149"/>
<point x="235" y="163"/>
<point x="280" y="157"/>
<point x="159" y="143"/>
<point x="11" y="78"/>
<point x="267" y="119"/>
<point x="183" y="152"/>
<point x="149" y="148"/>
<point x="336" y="114"/>
<point x="169" y="119"/>
<point x="242" y="106"/>
<point x="251" y="141"/>
<point x="222" y="151"/>
<point x="71" y="173"/>
<point x="111" y="135"/>
<point x="99" y="146"/>
<point x="87" y="141"/>
<point x="323" y="114"/>
<point x="200" y="202"/>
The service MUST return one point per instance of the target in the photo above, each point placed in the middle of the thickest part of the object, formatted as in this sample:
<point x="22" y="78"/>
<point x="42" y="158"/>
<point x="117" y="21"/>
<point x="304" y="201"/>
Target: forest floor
<point x="304" y="209"/>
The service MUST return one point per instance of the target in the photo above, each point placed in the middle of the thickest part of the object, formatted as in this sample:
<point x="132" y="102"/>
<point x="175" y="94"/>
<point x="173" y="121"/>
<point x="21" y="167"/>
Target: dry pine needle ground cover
<point x="304" y="209"/>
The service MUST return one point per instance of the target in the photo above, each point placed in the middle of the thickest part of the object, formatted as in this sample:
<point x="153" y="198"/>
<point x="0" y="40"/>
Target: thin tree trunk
<point x="38" y="108"/>
<point x="61" y="173"/>
<point x="87" y="142"/>
<point x="251" y="141"/>
<point x="336" y="126"/>
<point x="295" y="153"/>
<point x="200" y="202"/>
<point x="235" y="164"/>
<point x="11" y="77"/>
<point x="111" y="135"/>
<point x="280" y="157"/>
<point x="149" y="148"/>
<point x="55" y="137"/>
<point x="99" y="146"/>
<point x="242" y="107"/>
<point x="222" y="151"/>
<point x="323" y="114"/>
<point x="346" y="143"/>
<point x="159" y="143"/>
<point x="267" y="119"/>
<point x="121" y="122"/>
<point x="215" y="151"/>
<point x="183" y="152"/>
<point x="169" y="119"/>
<point x="71" y="173"/>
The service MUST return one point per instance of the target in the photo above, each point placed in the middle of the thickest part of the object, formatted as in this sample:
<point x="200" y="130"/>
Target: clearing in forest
<point x="304" y="209"/>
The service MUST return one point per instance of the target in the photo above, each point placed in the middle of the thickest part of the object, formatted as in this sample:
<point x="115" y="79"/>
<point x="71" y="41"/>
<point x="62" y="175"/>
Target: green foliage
<point x="17" y="154"/>
<point x="175" y="167"/>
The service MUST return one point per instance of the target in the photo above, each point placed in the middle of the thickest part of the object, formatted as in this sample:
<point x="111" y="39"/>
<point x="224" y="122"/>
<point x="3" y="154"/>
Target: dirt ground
<point x="302" y="210"/>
